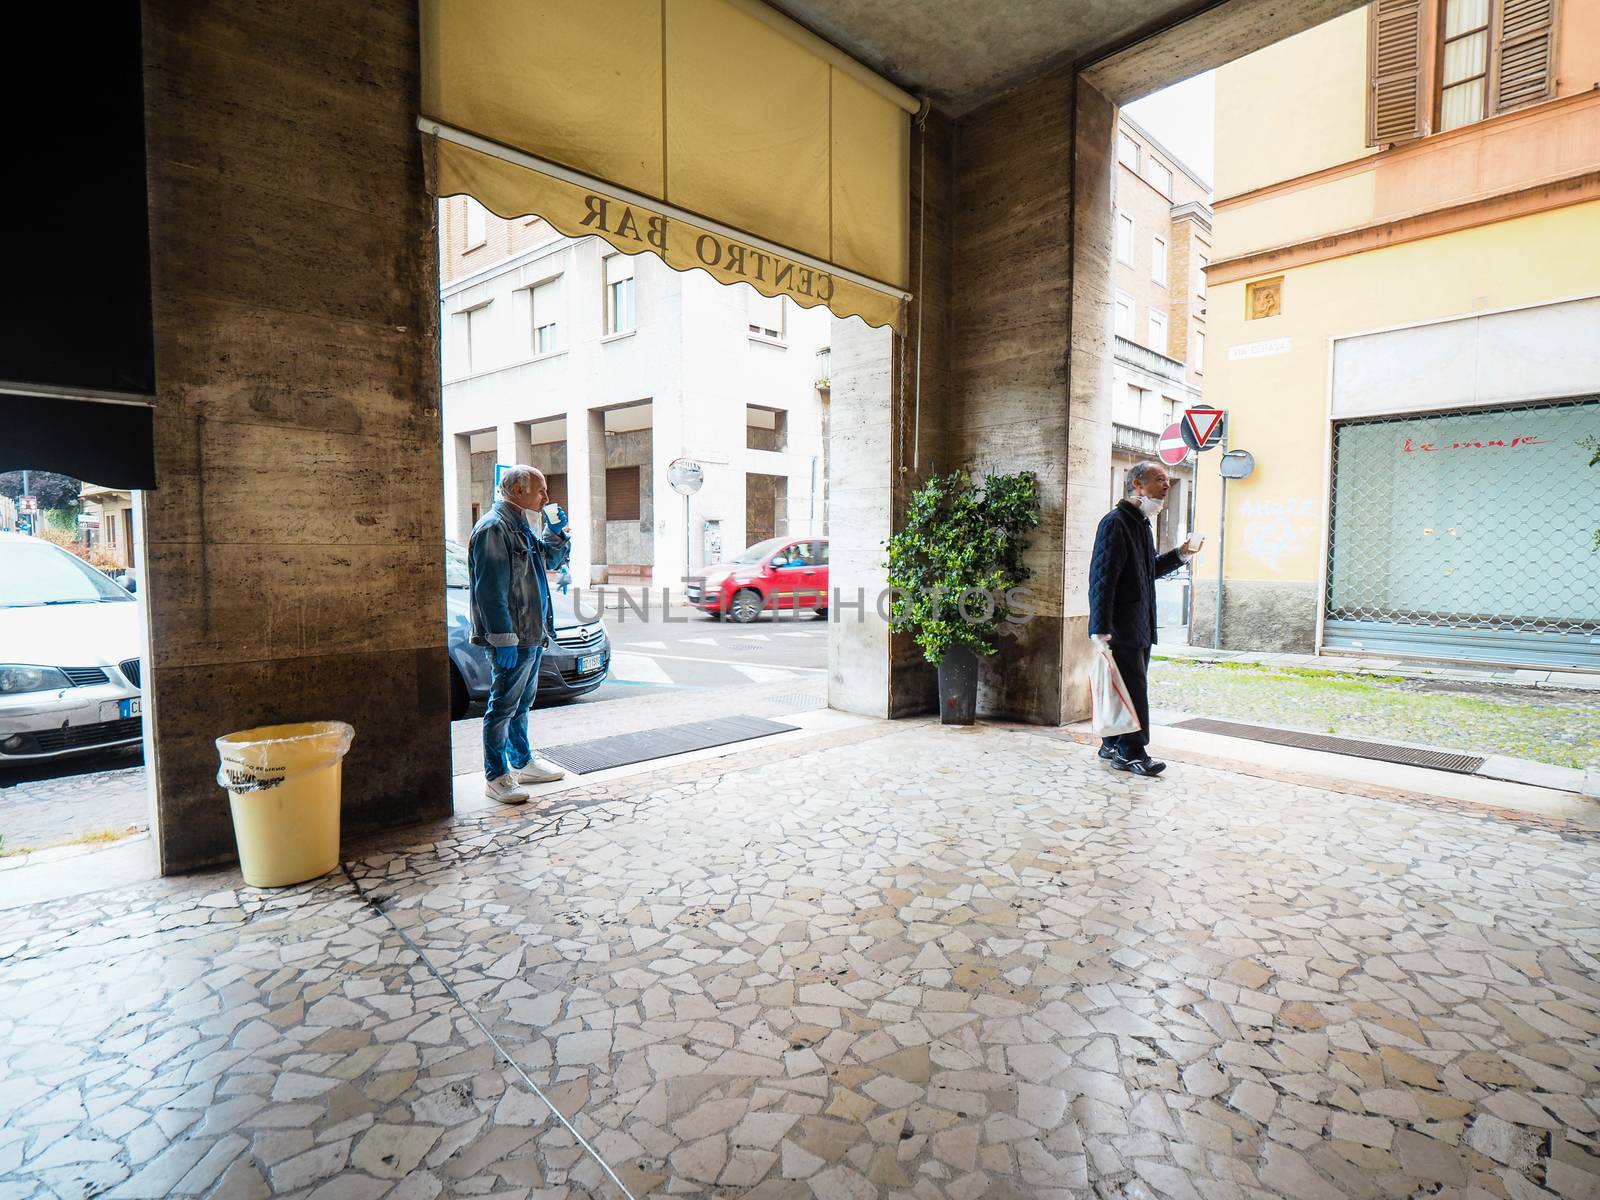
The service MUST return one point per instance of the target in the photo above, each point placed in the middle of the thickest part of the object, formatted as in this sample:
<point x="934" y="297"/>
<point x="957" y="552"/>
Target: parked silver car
<point x="69" y="655"/>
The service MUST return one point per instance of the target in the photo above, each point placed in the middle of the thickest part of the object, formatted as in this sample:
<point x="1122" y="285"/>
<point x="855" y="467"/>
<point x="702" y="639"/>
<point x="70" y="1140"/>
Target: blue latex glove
<point x="555" y="517"/>
<point x="505" y="656"/>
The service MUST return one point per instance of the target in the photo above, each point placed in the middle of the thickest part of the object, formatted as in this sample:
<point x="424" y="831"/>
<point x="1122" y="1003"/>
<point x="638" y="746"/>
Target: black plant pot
<point x="958" y="687"/>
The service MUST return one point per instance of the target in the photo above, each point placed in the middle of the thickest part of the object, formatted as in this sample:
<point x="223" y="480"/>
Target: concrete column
<point x="863" y="436"/>
<point x="1010" y="411"/>
<point x="1089" y="427"/>
<point x="586" y="489"/>
<point x="458" y="486"/>
<point x="294" y="567"/>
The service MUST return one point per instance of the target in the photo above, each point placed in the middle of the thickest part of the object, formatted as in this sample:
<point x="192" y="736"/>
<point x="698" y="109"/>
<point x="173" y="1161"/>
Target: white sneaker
<point x="538" y="770"/>
<point x="505" y="791"/>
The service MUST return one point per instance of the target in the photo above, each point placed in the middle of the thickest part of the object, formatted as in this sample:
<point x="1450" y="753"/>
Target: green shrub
<point x="961" y="540"/>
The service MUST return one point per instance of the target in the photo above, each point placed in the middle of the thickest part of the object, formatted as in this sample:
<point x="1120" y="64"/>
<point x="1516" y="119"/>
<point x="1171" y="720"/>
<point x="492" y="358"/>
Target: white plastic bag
<point x="1113" y="708"/>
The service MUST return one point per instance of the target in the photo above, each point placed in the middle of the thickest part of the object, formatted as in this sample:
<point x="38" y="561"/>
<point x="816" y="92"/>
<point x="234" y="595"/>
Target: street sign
<point x="1237" y="464"/>
<point x="27" y="504"/>
<point x="1172" y="449"/>
<point x="1202" y="427"/>
<point x="685" y="475"/>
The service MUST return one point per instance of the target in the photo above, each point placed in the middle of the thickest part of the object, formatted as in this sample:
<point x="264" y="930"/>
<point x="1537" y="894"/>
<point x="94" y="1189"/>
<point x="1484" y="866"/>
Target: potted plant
<point x="952" y="569"/>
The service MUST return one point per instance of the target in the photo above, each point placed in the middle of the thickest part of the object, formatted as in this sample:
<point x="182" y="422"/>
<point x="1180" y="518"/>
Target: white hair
<point x="518" y="479"/>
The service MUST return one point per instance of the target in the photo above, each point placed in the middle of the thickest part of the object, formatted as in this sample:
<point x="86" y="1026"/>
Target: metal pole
<point x="1222" y="528"/>
<point x="688" y="566"/>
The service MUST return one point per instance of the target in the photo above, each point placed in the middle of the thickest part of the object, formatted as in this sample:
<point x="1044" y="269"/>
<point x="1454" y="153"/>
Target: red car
<point x="784" y="572"/>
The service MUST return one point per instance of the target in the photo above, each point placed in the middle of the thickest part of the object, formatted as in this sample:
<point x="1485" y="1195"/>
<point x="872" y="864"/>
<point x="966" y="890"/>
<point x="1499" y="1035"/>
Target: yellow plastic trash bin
<point x="283" y="785"/>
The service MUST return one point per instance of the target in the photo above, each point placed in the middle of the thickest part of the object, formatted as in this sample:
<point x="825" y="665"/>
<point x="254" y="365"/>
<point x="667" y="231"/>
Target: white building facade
<point x="601" y="369"/>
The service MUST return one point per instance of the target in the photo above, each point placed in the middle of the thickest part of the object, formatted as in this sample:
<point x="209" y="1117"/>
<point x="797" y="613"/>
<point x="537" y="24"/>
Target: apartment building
<point x="601" y="369"/>
<point x="1163" y="244"/>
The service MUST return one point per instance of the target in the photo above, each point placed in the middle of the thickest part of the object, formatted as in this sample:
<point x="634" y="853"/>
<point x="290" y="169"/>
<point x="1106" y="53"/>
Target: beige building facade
<point x="1405" y="305"/>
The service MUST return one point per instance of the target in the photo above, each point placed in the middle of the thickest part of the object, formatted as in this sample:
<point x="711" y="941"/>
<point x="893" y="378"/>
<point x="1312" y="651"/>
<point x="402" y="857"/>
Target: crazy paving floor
<point x="890" y="961"/>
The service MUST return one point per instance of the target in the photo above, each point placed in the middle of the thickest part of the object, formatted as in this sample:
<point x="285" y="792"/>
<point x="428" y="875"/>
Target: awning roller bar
<point x="556" y="171"/>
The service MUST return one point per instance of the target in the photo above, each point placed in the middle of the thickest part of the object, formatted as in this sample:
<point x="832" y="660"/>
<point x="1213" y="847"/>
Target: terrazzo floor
<point x="891" y="960"/>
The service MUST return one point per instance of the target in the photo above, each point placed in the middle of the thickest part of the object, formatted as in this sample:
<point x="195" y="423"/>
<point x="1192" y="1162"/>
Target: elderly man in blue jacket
<point x="511" y="549"/>
<point x="1122" y="601"/>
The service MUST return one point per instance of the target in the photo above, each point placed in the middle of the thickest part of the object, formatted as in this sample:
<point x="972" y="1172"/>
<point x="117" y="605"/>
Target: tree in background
<point x="54" y="491"/>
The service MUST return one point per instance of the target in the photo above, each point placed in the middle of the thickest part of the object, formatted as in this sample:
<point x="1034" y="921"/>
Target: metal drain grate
<point x="624" y="749"/>
<point x="802" y="701"/>
<point x="1437" y="760"/>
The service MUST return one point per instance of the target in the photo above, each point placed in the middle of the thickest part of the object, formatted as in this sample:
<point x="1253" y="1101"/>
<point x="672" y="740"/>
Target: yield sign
<point x="1172" y="449"/>
<point x="1202" y="427"/>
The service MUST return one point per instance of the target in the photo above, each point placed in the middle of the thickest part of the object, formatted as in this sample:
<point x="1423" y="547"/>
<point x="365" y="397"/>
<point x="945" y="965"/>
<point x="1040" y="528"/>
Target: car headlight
<point x="14" y="677"/>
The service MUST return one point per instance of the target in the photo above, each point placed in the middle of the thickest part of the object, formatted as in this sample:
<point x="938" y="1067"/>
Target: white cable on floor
<point x="484" y="1029"/>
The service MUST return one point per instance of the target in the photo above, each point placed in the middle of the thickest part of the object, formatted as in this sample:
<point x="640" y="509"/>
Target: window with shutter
<point x="1525" y="33"/>
<point x="622" y="494"/>
<point x="1394" y="69"/>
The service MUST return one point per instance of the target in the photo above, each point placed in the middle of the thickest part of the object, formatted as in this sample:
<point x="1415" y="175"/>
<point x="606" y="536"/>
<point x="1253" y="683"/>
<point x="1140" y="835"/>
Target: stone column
<point x="295" y="570"/>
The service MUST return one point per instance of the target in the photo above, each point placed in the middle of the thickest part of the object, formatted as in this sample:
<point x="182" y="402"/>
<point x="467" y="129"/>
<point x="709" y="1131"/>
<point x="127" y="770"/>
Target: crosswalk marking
<point x="705" y="641"/>
<point x="649" y="645"/>
<point x="751" y="637"/>
<point x="763" y="674"/>
<point x="637" y="668"/>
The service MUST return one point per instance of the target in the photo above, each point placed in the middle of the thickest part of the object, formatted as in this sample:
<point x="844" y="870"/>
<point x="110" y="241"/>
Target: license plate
<point x="129" y="708"/>
<point x="590" y="663"/>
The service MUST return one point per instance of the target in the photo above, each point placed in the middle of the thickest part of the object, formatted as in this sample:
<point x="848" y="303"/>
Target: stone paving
<point x="892" y="960"/>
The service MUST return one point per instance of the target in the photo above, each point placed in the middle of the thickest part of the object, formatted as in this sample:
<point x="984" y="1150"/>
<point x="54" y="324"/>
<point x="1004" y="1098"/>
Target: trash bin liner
<point x="283" y="784"/>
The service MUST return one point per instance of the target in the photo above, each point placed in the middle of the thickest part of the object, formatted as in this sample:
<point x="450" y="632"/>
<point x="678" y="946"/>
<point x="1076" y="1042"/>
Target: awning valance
<point x="715" y="133"/>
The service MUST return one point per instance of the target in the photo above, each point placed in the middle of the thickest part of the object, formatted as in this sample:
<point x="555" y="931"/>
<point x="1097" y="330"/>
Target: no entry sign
<point x="1201" y="427"/>
<point x="1172" y="449"/>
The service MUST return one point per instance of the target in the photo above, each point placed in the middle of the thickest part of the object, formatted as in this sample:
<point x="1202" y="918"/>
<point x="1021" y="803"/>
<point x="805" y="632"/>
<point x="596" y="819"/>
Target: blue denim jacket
<point x="506" y="562"/>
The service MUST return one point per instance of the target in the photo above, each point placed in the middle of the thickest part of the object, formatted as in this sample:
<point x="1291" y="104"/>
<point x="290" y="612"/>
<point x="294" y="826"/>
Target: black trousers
<point x="1133" y="662"/>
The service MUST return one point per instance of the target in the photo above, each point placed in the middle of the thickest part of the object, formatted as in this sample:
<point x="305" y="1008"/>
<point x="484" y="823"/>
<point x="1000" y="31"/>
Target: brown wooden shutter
<point x="1522" y="52"/>
<point x="556" y="485"/>
<point x="1394" y="71"/>
<point x="622" y="494"/>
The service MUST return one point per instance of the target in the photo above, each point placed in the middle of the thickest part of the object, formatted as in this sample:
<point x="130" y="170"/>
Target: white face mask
<point x="1150" y="506"/>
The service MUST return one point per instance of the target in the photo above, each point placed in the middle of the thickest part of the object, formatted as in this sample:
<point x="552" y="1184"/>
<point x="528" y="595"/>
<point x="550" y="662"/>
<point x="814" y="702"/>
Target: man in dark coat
<point x="1122" y="601"/>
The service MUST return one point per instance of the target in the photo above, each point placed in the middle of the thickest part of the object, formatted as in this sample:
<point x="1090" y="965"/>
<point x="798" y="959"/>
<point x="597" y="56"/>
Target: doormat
<point x="624" y="749"/>
<point x="1436" y="760"/>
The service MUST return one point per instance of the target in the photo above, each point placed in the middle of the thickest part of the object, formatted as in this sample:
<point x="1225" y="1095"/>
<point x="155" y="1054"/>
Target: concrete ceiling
<point x="962" y="52"/>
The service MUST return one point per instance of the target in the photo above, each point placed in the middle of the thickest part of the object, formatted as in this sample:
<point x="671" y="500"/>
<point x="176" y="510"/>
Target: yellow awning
<point x="715" y="133"/>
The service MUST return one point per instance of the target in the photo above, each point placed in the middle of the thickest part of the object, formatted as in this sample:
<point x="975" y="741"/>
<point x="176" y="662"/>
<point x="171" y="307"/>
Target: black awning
<point x="112" y="444"/>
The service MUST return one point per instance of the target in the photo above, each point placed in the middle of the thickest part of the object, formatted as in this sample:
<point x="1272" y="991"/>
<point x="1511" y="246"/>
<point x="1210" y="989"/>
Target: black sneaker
<point x="1107" y="753"/>
<point x="1148" y="767"/>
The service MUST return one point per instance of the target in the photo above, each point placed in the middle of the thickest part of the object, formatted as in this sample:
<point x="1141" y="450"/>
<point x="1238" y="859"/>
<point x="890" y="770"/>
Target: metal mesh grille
<point x="1438" y="760"/>
<point x="1479" y="520"/>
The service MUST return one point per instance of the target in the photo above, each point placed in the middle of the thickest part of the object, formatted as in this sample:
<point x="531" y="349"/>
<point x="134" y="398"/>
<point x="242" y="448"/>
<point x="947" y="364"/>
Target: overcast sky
<point x="1181" y="119"/>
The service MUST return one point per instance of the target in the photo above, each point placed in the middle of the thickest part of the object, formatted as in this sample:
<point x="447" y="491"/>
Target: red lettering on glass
<point x="1411" y="447"/>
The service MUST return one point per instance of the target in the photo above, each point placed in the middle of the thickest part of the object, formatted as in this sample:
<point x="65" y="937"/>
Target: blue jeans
<point x="505" y="720"/>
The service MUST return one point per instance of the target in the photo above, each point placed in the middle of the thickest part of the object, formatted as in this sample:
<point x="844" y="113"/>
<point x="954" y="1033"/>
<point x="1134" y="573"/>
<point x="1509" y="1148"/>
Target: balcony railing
<point x="1146" y="359"/>
<point x="1134" y="441"/>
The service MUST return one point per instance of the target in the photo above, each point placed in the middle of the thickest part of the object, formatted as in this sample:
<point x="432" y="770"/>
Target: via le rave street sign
<point x="1201" y="428"/>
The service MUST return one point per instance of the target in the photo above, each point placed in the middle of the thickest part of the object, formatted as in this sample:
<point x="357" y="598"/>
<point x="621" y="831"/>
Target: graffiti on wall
<point x="1277" y="529"/>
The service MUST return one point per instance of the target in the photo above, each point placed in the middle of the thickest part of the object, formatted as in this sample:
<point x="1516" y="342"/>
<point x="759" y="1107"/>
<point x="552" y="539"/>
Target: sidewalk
<point x="1366" y="664"/>
<point x="875" y="959"/>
